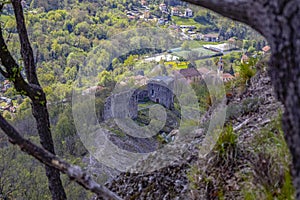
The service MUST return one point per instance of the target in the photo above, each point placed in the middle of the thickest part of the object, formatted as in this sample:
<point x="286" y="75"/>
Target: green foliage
<point x="185" y="46"/>
<point x="65" y="135"/>
<point x="130" y="61"/>
<point x="272" y="164"/>
<point x="247" y="70"/>
<point x="105" y="79"/>
<point x="62" y="33"/>
<point x="226" y="142"/>
<point x="193" y="176"/>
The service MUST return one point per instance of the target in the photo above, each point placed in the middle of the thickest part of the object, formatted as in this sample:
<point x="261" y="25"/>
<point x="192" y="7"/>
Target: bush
<point x="271" y="164"/>
<point x="227" y="142"/>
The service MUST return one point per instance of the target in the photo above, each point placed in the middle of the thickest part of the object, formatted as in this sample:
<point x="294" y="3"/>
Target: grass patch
<point x="200" y="51"/>
<point x="258" y="169"/>
<point x="271" y="165"/>
<point x="209" y="178"/>
<point x="227" y="142"/>
<point x="177" y="65"/>
<point x="185" y="21"/>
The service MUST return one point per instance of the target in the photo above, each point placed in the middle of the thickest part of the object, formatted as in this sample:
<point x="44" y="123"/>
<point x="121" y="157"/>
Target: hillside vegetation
<point x="64" y="33"/>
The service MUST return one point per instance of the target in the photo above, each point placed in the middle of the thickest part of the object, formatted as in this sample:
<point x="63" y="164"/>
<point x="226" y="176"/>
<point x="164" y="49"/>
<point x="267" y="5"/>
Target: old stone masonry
<point x="125" y="104"/>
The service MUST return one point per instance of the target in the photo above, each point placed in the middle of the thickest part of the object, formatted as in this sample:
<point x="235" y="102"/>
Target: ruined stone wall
<point x="125" y="104"/>
<point x="161" y="94"/>
<point x="121" y="105"/>
<point x="143" y="95"/>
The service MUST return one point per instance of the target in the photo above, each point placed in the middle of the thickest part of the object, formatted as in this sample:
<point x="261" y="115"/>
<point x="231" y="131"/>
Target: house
<point x="163" y="7"/>
<point x="203" y="71"/>
<point x="146" y="14"/>
<point x="189" y="27"/>
<point x="245" y="58"/>
<point x="160" y="91"/>
<point x="199" y="36"/>
<point x="161" y="21"/>
<point x="227" y="77"/>
<point x="188" y="12"/>
<point x="266" y="49"/>
<point x="232" y="43"/>
<point x="191" y="74"/>
<point x="211" y="37"/>
<point x="131" y="17"/>
<point x="217" y="47"/>
<point x="144" y="3"/>
<point x="174" y="27"/>
<point x="175" y="11"/>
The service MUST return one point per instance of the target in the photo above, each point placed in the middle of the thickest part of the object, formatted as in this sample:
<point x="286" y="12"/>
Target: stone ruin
<point x="125" y="104"/>
<point x="121" y="105"/>
<point x="160" y="91"/>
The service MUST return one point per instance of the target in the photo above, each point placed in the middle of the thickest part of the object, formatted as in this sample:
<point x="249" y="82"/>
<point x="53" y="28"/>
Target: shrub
<point x="271" y="165"/>
<point x="227" y="142"/>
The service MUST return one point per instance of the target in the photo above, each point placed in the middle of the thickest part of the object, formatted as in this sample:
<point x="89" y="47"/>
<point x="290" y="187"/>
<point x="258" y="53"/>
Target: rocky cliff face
<point x="248" y="113"/>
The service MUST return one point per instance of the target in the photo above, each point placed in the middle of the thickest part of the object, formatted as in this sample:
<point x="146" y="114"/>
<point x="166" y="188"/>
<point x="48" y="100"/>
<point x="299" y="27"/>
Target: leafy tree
<point x="185" y="46"/>
<point x="246" y="44"/>
<point x="105" y="78"/>
<point x="33" y="90"/>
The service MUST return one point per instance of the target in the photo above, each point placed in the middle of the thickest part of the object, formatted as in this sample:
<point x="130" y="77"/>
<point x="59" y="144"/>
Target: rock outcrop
<point x="248" y="113"/>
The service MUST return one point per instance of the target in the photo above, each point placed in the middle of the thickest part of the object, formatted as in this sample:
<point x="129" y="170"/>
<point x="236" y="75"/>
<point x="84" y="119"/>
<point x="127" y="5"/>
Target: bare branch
<point x="26" y="49"/>
<point x="44" y="156"/>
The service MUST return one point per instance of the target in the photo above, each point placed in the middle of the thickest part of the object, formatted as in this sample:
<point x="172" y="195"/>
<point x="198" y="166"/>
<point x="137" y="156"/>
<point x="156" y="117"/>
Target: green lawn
<point x="194" y="44"/>
<point x="185" y="21"/>
<point x="201" y="51"/>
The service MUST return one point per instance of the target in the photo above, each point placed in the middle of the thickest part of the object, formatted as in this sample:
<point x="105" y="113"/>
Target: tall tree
<point x="278" y="21"/>
<point x="31" y="88"/>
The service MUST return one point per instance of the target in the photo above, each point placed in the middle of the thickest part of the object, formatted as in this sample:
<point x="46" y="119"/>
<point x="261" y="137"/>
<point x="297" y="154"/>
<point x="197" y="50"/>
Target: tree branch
<point x="240" y="10"/>
<point x="74" y="172"/>
<point x="33" y="90"/>
<point x="12" y="68"/>
<point x="26" y="49"/>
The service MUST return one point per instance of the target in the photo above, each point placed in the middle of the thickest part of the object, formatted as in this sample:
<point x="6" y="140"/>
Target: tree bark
<point x="32" y="89"/>
<point x="279" y="22"/>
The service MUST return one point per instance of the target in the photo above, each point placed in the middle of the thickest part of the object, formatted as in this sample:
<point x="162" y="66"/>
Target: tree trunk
<point x="279" y="22"/>
<point x="40" y="113"/>
<point x="285" y="74"/>
<point x="32" y="89"/>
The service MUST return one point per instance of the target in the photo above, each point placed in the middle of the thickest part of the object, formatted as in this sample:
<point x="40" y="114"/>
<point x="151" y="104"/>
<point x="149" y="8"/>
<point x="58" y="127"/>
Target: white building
<point x="188" y="12"/>
<point x="163" y="7"/>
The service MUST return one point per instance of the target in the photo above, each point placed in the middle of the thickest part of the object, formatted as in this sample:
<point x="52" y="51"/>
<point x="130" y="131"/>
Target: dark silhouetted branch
<point x="26" y="49"/>
<point x="74" y="172"/>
